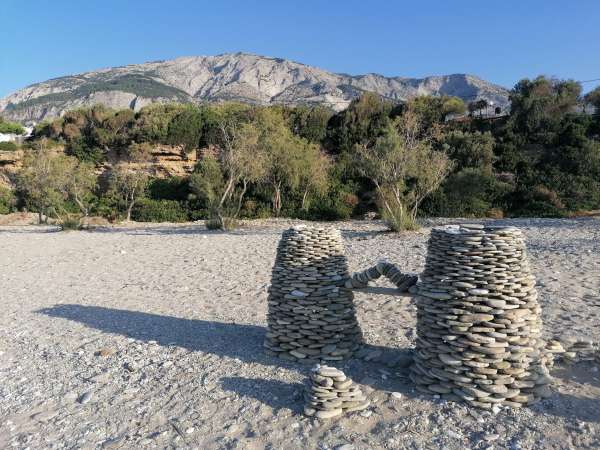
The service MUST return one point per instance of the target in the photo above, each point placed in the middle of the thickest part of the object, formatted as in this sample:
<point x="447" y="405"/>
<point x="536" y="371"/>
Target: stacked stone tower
<point x="311" y="315"/>
<point x="478" y="319"/>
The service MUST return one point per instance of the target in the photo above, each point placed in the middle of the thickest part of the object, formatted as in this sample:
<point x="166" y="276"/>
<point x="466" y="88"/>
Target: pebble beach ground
<point x="150" y="336"/>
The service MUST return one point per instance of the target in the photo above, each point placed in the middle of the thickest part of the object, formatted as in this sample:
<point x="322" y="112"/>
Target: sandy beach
<point x="150" y="336"/>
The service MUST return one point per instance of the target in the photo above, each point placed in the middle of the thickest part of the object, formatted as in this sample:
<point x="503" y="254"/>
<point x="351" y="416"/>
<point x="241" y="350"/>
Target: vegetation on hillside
<point x="7" y="127"/>
<point x="404" y="160"/>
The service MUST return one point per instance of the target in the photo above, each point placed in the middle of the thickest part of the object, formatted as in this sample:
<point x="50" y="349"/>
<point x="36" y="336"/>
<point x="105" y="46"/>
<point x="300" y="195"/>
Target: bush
<point x="7" y="200"/>
<point x="150" y="210"/>
<point x="70" y="223"/>
<point x="173" y="188"/>
<point x="8" y="146"/>
<point x="226" y="223"/>
<point x="397" y="221"/>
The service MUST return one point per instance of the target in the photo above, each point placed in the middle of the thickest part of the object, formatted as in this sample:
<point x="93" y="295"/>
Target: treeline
<point x="404" y="160"/>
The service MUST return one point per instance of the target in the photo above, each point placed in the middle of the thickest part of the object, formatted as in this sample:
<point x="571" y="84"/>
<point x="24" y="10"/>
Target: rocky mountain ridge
<point x="238" y="77"/>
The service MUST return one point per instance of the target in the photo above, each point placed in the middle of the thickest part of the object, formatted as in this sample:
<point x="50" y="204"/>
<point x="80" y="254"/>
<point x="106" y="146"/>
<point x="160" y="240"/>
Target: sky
<point x="502" y="41"/>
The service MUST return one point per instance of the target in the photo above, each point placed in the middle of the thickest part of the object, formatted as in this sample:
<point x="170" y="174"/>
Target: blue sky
<point x="501" y="41"/>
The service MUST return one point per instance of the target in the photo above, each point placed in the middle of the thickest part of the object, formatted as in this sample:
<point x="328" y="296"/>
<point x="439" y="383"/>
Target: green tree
<point x="10" y="127"/>
<point x="404" y="168"/>
<point x="186" y="128"/>
<point x="7" y="200"/>
<point x="42" y="181"/>
<point x="593" y="97"/>
<point x="310" y="123"/>
<point x="466" y="149"/>
<point x="314" y="173"/>
<point x="128" y="183"/>
<point x="80" y="184"/>
<point x="361" y="123"/>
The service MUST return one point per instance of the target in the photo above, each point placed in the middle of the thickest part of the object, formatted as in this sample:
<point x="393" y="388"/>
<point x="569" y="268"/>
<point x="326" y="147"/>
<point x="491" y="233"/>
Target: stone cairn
<point x="478" y="319"/>
<point x="311" y="314"/>
<point x="570" y="351"/>
<point x="403" y="281"/>
<point x="330" y="393"/>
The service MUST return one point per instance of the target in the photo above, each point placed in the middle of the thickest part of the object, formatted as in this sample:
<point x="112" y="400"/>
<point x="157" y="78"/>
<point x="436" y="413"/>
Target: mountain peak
<point x="241" y="76"/>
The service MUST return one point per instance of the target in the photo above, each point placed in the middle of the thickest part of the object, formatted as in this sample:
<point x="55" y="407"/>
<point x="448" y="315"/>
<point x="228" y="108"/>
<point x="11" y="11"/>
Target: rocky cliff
<point x="164" y="161"/>
<point x="240" y="77"/>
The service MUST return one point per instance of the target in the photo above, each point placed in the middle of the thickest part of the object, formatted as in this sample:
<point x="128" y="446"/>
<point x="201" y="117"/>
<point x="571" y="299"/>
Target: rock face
<point x="165" y="161"/>
<point x="240" y="77"/>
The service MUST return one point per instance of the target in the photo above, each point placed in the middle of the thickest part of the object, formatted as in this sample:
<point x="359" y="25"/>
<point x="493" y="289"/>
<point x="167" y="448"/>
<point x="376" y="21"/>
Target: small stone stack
<point x="577" y="350"/>
<point x="403" y="281"/>
<point x="478" y="319"/>
<point x="330" y="393"/>
<point x="311" y="315"/>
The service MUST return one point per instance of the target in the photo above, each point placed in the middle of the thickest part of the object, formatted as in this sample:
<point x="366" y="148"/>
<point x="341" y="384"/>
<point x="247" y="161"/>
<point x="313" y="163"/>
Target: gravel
<point x="162" y="325"/>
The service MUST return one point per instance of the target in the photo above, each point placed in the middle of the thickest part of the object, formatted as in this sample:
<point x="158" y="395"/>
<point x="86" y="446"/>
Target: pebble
<point x="491" y="437"/>
<point x="453" y="434"/>
<point x="85" y="397"/>
<point x="396" y="395"/>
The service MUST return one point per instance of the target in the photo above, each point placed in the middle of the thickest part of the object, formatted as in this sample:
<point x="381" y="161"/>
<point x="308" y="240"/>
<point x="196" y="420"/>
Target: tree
<point x="42" y="181"/>
<point x="593" y="97"/>
<point x="186" y="128"/>
<point x="233" y="141"/>
<point x="128" y="183"/>
<point x="10" y="127"/>
<point x="250" y="160"/>
<point x="80" y="184"/>
<point x="538" y="106"/>
<point x="310" y="123"/>
<point x="284" y="154"/>
<point x="404" y="169"/>
<point x="433" y="110"/>
<point x="466" y="149"/>
<point x="478" y="105"/>
<point x="314" y="173"/>
<point x="365" y="119"/>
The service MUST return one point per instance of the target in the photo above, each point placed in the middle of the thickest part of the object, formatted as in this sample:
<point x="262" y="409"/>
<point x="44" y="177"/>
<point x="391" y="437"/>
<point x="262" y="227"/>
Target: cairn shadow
<point x="277" y="394"/>
<point x="225" y="339"/>
<point x="233" y="340"/>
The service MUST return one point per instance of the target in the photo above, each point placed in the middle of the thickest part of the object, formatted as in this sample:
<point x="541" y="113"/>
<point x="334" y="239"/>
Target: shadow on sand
<point x="244" y="342"/>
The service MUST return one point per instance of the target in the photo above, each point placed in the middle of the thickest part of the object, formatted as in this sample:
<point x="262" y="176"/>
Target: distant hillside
<point x="240" y="77"/>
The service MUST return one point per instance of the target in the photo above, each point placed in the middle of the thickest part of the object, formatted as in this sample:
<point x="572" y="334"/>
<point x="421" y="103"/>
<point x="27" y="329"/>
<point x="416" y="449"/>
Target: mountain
<point x="240" y="77"/>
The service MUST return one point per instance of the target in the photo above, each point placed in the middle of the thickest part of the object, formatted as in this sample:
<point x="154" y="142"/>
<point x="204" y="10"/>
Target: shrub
<point x="398" y="220"/>
<point x="150" y="210"/>
<point x="8" y="146"/>
<point x="224" y="223"/>
<point x="495" y="213"/>
<point x="338" y="205"/>
<point x="70" y="223"/>
<point x="7" y="200"/>
<point x="173" y="188"/>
